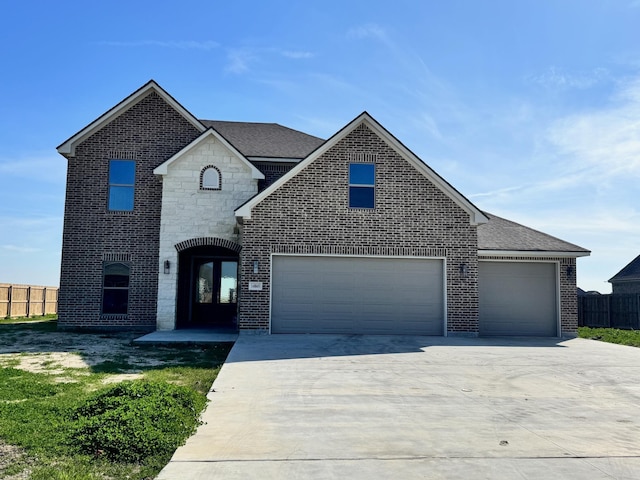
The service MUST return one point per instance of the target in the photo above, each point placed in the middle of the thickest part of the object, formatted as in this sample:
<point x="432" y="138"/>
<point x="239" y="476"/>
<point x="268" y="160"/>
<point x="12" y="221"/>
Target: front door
<point x="214" y="292"/>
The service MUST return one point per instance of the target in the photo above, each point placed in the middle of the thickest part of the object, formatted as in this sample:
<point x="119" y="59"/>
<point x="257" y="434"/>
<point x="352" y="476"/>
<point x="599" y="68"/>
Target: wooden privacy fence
<point x="615" y="311"/>
<point x="27" y="300"/>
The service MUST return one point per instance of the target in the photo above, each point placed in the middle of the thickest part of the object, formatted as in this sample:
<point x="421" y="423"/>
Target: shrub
<point x="132" y="421"/>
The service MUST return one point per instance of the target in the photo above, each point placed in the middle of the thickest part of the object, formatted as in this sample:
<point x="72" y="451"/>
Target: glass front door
<point x="214" y="292"/>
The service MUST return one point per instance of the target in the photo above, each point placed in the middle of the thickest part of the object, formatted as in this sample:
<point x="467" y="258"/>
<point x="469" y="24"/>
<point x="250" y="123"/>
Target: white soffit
<point x="531" y="254"/>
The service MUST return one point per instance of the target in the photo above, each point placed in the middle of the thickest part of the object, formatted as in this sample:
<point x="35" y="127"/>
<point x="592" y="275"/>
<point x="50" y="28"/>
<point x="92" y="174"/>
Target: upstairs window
<point x="122" y="176"/>
<point x="362" y="184"/>
<point x="210" y="178"/>
<point x="115" y="288"/>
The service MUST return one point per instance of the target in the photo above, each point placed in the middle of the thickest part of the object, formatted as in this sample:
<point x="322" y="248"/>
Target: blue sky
<point x="530" y="108"/>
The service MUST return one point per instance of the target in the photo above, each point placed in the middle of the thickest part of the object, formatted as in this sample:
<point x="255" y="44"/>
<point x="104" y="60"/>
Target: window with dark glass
<point x="115" y="291"/>
<point x="362" y="182"/>
<point x="122" y="176"/>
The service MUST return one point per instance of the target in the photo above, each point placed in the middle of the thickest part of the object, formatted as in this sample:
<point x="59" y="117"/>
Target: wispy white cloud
<point x="296" y="54"/>
<point x="607" y="140"/>
<point x="369" y="30"/>
<point x="239" y="60"/>
<point x="178" y="44"/>
<point x="19" y="249"/>
<point x="557" y="78"/>
<point x="47" y="168"/>
<point x="500" y="192"/>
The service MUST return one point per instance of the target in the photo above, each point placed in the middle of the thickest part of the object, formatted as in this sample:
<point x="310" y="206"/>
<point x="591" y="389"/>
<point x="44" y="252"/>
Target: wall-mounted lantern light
<point x="569" y="270"/>
<point x="167" y="266"/>
<point x="464" y="270"/>
<point x="256" y="266"/>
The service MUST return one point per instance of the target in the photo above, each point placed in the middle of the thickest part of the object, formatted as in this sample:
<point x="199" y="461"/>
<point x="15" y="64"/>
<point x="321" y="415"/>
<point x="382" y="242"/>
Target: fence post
<point x="609" y="310"/>
<point x="9" y="299"/>
<point x="44" y="301"/>
<point x="28" y="300"/>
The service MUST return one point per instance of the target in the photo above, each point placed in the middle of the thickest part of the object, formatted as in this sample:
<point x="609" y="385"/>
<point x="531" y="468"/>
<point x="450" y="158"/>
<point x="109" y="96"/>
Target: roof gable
<point x="162" y="169"/>
<point x="476" y="216"/>
<point x="629" y="273"/>
<point x="67" y="148"/>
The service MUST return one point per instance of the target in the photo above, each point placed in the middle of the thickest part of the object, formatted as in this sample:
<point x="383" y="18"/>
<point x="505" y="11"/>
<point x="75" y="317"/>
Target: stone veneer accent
<point x="191" y="215"/>
<point x="149" y="132"/>
<point x="411" y="215"/>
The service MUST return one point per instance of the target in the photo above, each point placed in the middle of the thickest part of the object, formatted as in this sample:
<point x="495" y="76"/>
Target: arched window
<point x="210" y="178"/>
<point x="115" y="289"/>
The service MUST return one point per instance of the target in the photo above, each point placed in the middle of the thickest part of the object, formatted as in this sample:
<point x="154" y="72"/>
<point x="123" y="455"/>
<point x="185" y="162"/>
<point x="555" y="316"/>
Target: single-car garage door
<point x="518" y="298"/>
<point x="357" y="295"/>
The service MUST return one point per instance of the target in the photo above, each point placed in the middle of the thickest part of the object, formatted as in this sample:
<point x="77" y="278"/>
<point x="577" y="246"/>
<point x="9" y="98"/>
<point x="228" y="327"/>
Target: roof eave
<point x="532" y="253"/>
<point x="67" y="148"/>
<point x="624" y="280"/>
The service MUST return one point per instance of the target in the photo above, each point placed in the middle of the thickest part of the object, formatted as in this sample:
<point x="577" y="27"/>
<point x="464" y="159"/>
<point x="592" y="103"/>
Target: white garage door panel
<point x="357" y="295"/>
<point x="518" y="298"/>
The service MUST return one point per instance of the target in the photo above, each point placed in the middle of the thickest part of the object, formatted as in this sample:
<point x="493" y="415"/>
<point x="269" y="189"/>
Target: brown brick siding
<point x="311" y="209"/>
<point x="272" y="171"/>
<point x="149" y="132"/>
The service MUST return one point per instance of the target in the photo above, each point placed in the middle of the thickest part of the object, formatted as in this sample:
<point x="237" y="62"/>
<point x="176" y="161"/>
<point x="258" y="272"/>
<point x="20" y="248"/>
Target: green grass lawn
<point x="41" y="318"/>
<point x="43" y="383"/>
<point x="611" y="335"/>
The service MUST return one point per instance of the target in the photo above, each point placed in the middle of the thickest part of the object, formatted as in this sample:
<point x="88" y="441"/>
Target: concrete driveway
<point x="371" y="407"/>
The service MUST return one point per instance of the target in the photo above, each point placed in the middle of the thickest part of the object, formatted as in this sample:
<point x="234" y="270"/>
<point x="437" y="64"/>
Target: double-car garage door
<point x="374" y="295"/>
<point x="364" y="295"/>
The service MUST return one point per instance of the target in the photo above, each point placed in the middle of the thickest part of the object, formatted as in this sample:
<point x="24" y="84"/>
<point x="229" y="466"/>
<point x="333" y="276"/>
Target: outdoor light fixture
<point x="167" y="266"/>
<point x="569" y="270"/>
<point x="256" y="265"/>
<point x="464" y="270"/>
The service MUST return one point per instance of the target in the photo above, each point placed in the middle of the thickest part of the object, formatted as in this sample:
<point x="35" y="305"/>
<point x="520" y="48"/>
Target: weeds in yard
<point x="611" y="335"/>
<point x="39" y="410"/>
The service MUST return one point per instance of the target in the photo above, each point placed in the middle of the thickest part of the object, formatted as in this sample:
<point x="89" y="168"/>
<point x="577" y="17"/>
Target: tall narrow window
<point x="122" y="177"/>
<point x="362" y="183"/>
<point x="115" y="291"/>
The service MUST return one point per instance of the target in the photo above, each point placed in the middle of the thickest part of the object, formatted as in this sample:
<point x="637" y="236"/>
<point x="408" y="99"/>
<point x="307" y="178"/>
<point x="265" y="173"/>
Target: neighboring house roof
<point x="162" y="169"/>
<point x="266" y="140"/>
<point x="504" y="237"/>
<point x="475" y="214"/>
<point x="629" y="273"/>
<point x="590" y="293"/>
<point x="67" y="148"/>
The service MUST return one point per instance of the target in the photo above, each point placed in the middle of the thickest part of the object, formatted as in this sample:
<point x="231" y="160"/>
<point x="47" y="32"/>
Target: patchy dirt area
<point x="54" y="351"/>
<point x="9" y="455"/>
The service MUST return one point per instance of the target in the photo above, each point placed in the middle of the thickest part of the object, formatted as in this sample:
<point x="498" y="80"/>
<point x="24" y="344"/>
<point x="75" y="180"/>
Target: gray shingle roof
<point x="266" y="139"/>
<point x="502" y="234"/>
<point x="630" y="272"/>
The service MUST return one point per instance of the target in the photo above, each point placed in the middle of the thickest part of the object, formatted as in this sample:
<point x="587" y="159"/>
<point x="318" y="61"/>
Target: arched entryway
<point x="207" y="285"/>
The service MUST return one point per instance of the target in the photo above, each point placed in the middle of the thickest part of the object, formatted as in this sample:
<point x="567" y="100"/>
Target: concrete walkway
<point x="367" y="407"/>
<point x="187" y="336"/>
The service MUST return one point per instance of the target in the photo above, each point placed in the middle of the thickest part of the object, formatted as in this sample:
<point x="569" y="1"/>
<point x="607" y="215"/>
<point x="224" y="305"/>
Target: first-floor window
<point x="115" y="290"/>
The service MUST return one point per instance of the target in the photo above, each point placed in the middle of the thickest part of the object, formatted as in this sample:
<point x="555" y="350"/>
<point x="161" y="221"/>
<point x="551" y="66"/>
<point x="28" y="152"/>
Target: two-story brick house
<point x="174" y="222"/>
